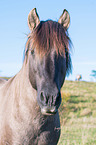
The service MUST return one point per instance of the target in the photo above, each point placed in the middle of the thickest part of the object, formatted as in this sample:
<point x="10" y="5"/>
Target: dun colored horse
<point x="30" y="100"/>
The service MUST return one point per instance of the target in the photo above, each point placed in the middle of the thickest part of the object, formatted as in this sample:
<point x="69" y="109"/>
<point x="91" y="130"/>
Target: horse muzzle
<point x="49" y="104"/>
<point x="48" y="110"/>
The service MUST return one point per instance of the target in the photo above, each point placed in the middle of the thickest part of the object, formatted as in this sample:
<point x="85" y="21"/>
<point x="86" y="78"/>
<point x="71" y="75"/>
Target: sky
<point x="14" y="31"/>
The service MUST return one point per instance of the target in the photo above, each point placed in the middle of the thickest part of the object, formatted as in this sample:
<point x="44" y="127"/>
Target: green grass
<point x="78" y="113"/>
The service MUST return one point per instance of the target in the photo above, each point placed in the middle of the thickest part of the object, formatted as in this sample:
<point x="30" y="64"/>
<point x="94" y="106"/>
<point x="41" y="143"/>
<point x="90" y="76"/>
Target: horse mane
<point x="48" y="35"/>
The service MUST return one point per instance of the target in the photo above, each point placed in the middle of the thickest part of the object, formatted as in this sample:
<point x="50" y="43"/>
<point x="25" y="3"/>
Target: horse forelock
<point x="50" y="35"/>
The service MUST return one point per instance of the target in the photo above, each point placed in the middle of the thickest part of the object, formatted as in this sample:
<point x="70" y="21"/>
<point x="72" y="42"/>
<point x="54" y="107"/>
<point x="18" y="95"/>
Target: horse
<point x="29" y="101"/>
<point x="78" y="77"/>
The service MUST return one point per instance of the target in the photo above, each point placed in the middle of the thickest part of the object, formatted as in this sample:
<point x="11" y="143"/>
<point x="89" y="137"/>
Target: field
<point x="78" y="113"/>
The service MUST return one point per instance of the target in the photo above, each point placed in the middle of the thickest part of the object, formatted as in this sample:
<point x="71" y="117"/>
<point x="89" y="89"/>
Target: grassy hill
<point x="78" y="113"/>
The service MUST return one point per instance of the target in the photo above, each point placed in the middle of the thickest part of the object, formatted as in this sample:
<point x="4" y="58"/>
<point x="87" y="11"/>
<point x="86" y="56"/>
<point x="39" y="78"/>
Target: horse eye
<point x="32" y="52"/>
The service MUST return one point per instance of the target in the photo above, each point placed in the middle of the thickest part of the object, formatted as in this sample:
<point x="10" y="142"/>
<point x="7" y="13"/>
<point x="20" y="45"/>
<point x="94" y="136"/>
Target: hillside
<point x="78" y="113"/>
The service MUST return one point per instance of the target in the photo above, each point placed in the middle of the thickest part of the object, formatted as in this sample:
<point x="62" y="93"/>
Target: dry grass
<point x="78" y="114"/>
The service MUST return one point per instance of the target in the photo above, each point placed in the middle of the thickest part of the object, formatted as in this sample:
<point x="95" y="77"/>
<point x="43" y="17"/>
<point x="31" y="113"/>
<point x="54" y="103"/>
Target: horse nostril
<point x="41" y="96"/>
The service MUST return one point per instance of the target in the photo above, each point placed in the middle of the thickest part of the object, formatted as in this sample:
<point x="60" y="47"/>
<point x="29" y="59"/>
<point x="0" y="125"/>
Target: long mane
<point x="48" y="35"/>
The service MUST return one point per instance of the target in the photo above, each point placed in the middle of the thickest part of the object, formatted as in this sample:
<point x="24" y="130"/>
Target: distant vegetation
<point x="78" y="113"/>
<point x="6" y="78"/>
<point x="93" y="73"/>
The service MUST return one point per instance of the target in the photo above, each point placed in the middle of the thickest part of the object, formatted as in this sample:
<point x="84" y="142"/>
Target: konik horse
<point x="29" y="101"/>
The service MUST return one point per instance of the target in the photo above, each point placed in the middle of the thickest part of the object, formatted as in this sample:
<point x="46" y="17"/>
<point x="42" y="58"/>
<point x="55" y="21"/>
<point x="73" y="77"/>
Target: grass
<point x="78" y="113"/>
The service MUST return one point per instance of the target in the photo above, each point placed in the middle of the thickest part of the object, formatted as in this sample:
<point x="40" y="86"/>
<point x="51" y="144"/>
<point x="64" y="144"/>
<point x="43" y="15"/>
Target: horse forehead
<point x="50" y="62"/>
<point x="50" y="56"/>
<point x="54" y="60"/>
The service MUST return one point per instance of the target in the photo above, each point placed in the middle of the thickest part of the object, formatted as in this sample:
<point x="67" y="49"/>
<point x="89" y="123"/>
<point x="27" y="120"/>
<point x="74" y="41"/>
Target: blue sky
<point x="82" y="31"/>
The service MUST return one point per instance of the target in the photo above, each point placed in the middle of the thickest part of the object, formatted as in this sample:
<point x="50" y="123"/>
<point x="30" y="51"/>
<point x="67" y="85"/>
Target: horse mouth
<point x="48" y="111"/>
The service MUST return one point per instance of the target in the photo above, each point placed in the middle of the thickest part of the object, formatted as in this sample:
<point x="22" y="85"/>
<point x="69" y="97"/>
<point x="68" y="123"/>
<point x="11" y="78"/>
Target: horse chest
<point x="42" y="131"/>
<point x="47" y="132"/>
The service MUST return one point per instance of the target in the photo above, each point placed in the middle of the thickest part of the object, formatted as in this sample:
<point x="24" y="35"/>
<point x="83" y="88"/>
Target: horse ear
<point x="33" y="19"/>
<point x="64" y="20"/>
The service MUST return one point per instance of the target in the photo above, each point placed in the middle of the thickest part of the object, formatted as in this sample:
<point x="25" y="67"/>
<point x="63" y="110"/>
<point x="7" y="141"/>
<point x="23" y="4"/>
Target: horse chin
<point x="48" y="111"/>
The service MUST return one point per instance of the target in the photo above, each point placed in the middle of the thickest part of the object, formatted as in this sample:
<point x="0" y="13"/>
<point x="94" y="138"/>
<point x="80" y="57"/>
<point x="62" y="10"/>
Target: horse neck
<point x="25" y="82"/>
<point x="21" y="87"/>
<point x="27" y="93"/>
